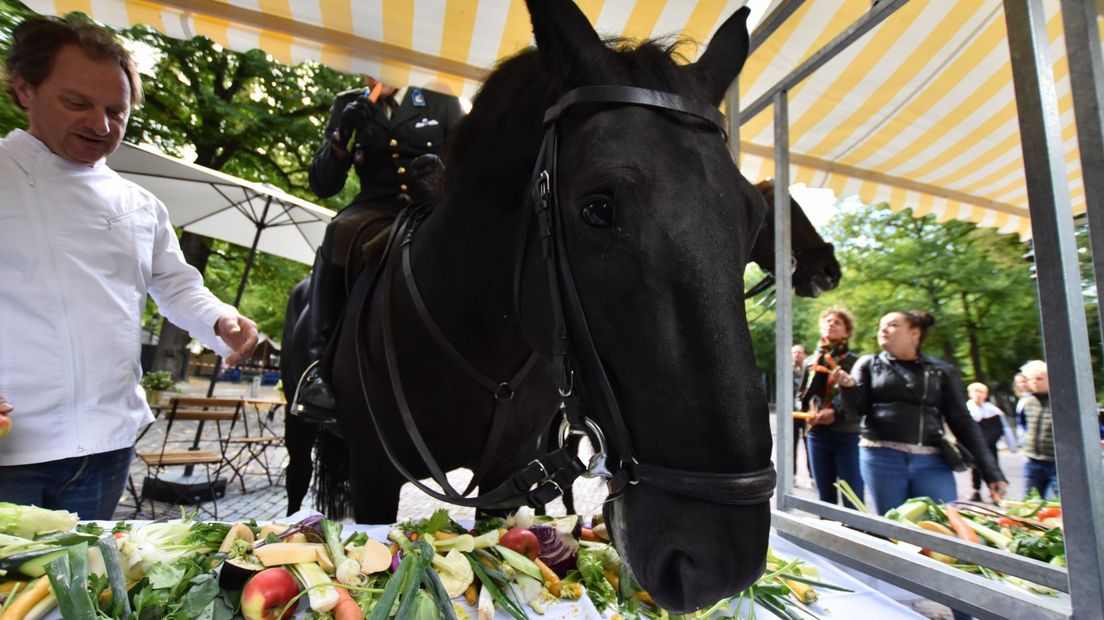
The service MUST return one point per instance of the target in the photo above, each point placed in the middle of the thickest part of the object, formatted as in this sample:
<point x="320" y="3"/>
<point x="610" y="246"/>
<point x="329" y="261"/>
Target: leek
<point x="323" y="595"/>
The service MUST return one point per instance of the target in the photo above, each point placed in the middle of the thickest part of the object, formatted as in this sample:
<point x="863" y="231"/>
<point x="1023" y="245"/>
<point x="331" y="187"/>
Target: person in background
<point x="905" y="398"/>
<point x="798" y="356"/>
<point x="1040" y="471"/>
<point x="991" y="421"/>
<point x="833" y="436"/>
<point x="1022" y="391"/>
<point x="390" y="137"/>
<point x="80" y="248"/>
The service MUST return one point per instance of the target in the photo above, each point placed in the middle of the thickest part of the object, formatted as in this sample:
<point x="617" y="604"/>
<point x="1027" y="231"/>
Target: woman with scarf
<point x="833" y="435"/>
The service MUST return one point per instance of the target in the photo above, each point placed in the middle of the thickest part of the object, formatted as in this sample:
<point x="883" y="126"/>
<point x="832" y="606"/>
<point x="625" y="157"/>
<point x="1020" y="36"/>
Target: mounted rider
<point x="391" y="137"/>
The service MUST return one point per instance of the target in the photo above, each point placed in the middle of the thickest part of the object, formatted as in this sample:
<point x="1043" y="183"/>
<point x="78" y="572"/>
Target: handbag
<point x="958" y="458"/>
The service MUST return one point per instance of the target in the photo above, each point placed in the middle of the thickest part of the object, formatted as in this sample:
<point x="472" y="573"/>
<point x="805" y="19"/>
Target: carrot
<point x="8" y="586"/>
<point x="28" y="599"/>
<point x="588" y="534"/>
<point x="347" y="608"/>
<point x="471" y="594"/>
<point x="413" y="536"/>
<point x="550" y="578"/>
<point x="959" y="526"/>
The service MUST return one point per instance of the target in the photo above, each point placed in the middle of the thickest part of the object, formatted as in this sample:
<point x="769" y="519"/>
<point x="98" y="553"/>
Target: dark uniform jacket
<point x="908" y="401"/>
<point x="419" y="125"/>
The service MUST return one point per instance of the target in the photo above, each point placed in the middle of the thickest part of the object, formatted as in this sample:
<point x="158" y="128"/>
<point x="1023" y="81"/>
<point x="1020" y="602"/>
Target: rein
<point x="546" y="477"/>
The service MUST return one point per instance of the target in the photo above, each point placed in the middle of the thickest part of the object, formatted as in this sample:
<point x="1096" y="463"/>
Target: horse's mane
<point x="492" y="150"/>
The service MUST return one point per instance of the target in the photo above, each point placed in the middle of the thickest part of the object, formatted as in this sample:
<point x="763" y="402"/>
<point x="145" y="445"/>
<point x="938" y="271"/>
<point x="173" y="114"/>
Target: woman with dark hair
<point x="833" y="435"/>
<point x="904" y="398"/>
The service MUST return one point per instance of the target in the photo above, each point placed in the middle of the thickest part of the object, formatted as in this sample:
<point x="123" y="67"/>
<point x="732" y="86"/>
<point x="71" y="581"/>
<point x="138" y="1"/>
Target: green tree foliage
<point x="973" y="280"/>
<point x="11" y="15"/>
<point x="243" y="114"/>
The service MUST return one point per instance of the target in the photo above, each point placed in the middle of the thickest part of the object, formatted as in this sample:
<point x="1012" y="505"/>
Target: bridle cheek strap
<point x="572" y="342"/>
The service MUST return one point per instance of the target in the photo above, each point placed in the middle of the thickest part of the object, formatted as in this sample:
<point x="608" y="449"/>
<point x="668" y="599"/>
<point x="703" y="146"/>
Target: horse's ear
<point x="724" y="58"/>
<point x="567" y="43"/>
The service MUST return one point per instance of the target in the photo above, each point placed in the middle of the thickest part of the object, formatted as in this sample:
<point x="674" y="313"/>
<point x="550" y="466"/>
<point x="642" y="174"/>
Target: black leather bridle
<point x="572" y="348"/>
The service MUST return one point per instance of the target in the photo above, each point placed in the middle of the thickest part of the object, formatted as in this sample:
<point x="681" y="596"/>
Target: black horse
<point x="652" y="227"/>
<point x="815" y="267"/>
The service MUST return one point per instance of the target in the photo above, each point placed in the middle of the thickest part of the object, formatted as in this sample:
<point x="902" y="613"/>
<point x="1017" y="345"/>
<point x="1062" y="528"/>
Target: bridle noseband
<point x="545" y="478"/>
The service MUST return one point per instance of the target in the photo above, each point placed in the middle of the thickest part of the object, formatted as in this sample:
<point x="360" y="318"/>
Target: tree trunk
<point x="172" y="347"/>
<point x="972" y="339"/>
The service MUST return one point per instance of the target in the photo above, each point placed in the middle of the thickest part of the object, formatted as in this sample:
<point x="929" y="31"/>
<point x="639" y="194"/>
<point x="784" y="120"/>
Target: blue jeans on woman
<point x="834" y="456"/>
<point x="87" y="485"/>
<point x="895" y="475"/>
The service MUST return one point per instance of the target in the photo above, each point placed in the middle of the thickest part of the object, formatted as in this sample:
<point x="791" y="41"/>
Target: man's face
<point x="799" y="355"/>
<point x="1039" y="382"/>
<point x="80" y="110"/>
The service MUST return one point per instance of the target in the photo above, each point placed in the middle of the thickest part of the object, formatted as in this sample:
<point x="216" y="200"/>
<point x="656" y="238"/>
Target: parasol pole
<point x="261" y="225"/>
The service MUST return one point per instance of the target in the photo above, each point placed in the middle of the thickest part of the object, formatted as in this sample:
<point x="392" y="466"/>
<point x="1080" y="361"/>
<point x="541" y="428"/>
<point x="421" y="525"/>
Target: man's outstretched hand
<point x="239" y="333"/>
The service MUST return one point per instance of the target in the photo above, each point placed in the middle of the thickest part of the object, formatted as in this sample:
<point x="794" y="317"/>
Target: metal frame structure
<point x="1065" y="334"/>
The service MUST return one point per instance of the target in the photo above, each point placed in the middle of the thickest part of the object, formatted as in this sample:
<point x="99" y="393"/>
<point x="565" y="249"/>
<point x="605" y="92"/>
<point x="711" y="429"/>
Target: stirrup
<point x="308" y="413"/>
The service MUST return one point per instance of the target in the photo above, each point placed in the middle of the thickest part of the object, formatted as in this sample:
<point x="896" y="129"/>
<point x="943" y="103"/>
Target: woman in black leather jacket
<point x="904" y="397"/>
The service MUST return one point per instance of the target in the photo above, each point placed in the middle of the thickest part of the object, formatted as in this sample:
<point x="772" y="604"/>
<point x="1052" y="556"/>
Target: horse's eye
<point x="598" y="213"/>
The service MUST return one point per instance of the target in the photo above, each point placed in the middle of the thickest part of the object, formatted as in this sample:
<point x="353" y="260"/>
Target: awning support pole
<point x="783" y="310"/>
<point x="1065" y="333"/>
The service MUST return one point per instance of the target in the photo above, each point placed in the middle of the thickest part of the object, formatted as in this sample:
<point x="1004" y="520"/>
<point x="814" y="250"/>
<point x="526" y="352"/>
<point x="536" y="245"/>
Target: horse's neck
<point x="463" y="259"/>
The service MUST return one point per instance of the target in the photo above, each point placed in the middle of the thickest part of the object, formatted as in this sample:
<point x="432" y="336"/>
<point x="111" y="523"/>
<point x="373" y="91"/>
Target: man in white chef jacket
<point x="80" y="248"/>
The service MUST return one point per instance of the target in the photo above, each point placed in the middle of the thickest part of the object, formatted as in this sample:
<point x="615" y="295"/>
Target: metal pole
<point x="1086" y="67"/>
<point x="783" y="283"/>
<point x="732" y="120"/>
<point x="261" y="225"/>
<point x="1065" y="333"/>
<point x="877" y="14"/>
<point x="237" y="301"/>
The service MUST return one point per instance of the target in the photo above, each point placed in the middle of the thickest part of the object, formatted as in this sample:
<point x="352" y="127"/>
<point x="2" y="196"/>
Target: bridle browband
<point x="572" y="347"/>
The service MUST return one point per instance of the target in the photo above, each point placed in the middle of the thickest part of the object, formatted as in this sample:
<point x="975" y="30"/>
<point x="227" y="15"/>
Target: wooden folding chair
<point x="253" y="446"/>
<point x="200" y="411"/>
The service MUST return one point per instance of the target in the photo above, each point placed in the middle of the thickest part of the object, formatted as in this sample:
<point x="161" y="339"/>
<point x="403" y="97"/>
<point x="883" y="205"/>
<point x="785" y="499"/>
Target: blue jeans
<point x="87" y="485"/>
<point x="1041" y="475"/>
<point x="894" y="476"/>
<point x="835" y="456"/>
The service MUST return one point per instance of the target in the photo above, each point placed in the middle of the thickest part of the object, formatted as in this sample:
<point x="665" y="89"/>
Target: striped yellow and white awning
<point x="919" y="112"/>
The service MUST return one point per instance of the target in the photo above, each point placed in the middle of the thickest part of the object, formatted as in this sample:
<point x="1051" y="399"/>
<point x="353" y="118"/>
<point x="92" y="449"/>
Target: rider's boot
<point x="314" y="399"/>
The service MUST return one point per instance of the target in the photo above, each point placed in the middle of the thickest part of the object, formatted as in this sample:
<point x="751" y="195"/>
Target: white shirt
<point x="80" y="247"/>
<point x="985" y="411"/>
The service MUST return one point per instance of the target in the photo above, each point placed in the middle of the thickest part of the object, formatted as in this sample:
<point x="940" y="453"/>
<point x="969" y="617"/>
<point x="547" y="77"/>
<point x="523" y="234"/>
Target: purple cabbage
<point x="559" y="550"/>
<point x="396" y="560"/>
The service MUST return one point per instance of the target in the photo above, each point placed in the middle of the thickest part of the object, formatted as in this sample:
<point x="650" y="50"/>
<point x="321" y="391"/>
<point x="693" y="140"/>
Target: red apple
<point x="521" y="540"/>
<point x="267" y="592"/>
<point x="5" y="424"/>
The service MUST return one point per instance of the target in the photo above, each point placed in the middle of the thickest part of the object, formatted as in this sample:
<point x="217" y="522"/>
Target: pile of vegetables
<point x="1032" y="528"/>
<point x="424" y="570"/>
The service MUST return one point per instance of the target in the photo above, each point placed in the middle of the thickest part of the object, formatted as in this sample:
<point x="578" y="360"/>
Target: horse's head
<point x="656" y="224"/>
<point x="816" y="269"/>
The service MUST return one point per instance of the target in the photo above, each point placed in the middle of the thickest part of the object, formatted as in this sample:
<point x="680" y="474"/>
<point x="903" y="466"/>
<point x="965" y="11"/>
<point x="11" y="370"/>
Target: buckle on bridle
<point x="544" y="471"/>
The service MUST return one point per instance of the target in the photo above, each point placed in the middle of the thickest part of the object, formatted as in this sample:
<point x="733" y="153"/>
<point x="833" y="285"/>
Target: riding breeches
<point x="354" y="241"/>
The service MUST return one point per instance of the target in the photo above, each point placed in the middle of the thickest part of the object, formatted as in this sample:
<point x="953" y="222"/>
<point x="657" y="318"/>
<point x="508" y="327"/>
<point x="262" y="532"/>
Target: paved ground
<point x="262" y="500"/>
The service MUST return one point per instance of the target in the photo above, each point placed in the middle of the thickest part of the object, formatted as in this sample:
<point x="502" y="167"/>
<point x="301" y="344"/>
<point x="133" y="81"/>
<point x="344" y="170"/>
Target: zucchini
<point x="30" y="563"/>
